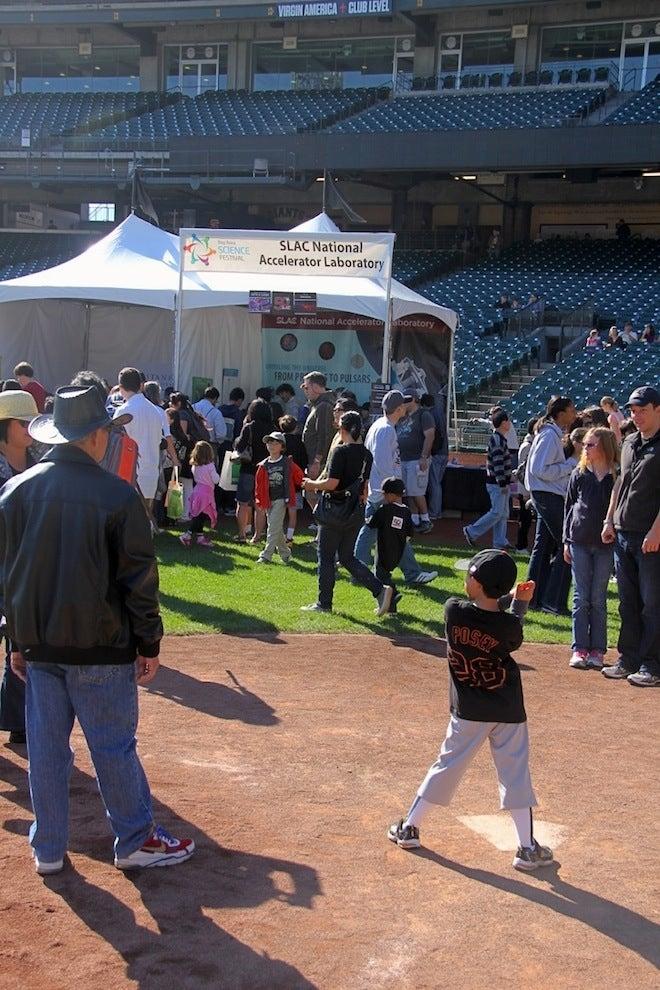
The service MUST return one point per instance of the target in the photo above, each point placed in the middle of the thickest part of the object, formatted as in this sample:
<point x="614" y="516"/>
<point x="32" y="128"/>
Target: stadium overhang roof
<point x="151" y="12"/>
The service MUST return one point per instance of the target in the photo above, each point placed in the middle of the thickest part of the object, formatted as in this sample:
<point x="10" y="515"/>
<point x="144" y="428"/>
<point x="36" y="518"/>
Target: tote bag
<point x="229" y="472"/>
<point x="174" y="496"/>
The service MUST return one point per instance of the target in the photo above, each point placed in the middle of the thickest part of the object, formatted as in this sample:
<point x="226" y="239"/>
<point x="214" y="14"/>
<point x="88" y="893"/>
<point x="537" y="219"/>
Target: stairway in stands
<point x="465" y="435"/>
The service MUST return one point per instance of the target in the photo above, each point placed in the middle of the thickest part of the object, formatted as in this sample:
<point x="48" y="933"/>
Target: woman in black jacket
<point x="250" y="449"/>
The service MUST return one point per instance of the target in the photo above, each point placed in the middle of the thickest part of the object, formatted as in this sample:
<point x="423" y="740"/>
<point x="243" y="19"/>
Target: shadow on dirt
<point x="211" y="698"/>
<point x="184" y="948"/>
<point x="625" y="927"/>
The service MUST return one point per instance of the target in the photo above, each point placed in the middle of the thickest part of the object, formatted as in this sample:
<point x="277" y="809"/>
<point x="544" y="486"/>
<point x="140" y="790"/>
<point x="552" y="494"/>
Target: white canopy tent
<point x="114" y="305"/>
<point x="110" y="306"/>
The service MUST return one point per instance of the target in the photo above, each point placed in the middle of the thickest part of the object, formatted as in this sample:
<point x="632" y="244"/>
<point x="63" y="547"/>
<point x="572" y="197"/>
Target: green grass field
<point x="223" y="590"/>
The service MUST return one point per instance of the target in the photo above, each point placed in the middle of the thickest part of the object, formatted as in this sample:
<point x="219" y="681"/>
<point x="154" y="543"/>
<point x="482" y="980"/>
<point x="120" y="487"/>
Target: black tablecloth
<point x="464" y="489"/>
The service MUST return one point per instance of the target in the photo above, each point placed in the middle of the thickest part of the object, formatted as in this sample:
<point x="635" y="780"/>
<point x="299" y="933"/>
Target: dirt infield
<point x="286" y="758"/>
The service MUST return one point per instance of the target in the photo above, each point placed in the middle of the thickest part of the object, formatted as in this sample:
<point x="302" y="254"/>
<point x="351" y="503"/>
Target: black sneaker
<point x="530" y="859"/>
<point x="395" y="601"/>
<point x="468" y="539"/>
<point x="407" y="838"/>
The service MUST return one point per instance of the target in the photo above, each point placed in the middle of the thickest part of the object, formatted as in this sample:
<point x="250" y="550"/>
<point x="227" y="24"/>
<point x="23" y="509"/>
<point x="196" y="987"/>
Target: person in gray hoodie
<point x="547" y="473"/>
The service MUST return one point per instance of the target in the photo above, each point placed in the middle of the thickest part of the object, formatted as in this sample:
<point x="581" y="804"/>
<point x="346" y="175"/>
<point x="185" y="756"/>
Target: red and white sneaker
<point x="579" y="659"/>
<point x="160" y="849"/>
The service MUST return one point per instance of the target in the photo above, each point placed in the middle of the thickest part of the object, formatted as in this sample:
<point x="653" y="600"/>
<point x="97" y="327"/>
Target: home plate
<point x="462" y="564"/>
<point x="499" y="831"/>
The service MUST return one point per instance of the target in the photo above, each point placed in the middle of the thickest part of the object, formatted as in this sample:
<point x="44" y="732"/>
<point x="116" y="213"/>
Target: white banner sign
<point x="261" y="252"/>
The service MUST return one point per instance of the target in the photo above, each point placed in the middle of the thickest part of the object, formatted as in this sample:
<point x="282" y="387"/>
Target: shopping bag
<point x="174" y="496"/>
<point x="229" y="473"/>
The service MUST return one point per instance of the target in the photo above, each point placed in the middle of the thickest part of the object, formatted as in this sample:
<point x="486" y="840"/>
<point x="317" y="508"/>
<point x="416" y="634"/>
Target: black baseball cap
<point x="495" y="571"/>
<point x="644" y="395"/>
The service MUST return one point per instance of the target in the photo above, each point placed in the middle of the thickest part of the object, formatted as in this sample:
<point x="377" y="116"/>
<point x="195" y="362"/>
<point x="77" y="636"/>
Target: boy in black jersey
<point x="393" y="521"/>
<point x="486" y="702"/>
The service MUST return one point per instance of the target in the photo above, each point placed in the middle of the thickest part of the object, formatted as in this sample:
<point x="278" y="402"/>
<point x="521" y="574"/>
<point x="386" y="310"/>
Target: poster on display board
<point x="348" y="350"/>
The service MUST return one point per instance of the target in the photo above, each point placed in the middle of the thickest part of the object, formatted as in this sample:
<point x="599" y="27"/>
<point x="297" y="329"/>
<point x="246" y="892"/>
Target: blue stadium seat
<point x="483" y="111"/>
<point x="642" y="108"/>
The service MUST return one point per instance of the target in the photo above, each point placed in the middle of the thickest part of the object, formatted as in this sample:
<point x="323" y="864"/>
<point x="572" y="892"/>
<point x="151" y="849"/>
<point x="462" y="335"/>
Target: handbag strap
<point x="175" y="475"/>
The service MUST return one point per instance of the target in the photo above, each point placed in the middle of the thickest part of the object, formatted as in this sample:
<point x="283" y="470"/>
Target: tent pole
<point x="178" y="317"/>
<point x="454" y="401"/>
<point x="387" y="329"/>
<point x="88" y="322"/>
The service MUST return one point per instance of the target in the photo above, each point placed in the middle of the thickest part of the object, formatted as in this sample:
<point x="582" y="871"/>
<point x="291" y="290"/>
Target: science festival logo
<point x="199" y="250"/>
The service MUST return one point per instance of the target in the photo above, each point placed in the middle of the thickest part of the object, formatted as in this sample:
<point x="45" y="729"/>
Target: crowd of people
<point x="621" y="339"/>
<point x="82" y="479"/>
<point x="592" y="479"/>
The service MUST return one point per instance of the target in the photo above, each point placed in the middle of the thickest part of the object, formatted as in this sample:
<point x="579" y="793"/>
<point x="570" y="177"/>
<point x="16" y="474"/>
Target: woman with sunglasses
<point x="587" y="499"/>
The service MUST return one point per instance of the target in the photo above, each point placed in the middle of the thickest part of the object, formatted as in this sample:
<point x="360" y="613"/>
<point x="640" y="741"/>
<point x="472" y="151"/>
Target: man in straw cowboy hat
<point x="79" y="587"/>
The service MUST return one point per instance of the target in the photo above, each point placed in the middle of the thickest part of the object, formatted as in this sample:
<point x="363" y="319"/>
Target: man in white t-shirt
<point x="146" y="428"/>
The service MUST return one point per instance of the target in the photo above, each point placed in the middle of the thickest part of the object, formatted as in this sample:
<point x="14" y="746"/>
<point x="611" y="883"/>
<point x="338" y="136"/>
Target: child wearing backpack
<point x="202" y="500"/>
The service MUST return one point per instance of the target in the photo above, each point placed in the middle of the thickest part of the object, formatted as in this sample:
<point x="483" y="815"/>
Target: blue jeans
<point x="366" y="541"/>
<point x="591" y="568"/>
<point x="496" y="518"/>
<point x="104" y="700"/>
<point x="638" y="580"/>
<point x="437" y="468"/>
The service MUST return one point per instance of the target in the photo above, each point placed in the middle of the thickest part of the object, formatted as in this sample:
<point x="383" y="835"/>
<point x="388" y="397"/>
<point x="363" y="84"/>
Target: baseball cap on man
<point x="276" y="435"/>
<point x="392" y="400"/>
<point x="645" y="395"/>
<point x="495" y="571"/>
<point x="77" y="412"/>
<point x="17" y="404"/>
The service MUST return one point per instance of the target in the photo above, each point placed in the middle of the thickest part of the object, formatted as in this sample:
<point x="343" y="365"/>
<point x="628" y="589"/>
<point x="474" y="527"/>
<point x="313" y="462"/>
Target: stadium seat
<point x="642" y="108"/>
<point x="487" y="111"/>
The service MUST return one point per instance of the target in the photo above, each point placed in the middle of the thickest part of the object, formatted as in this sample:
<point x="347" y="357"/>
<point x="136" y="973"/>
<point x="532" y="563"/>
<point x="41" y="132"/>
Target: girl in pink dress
<point x="202" y="500"/>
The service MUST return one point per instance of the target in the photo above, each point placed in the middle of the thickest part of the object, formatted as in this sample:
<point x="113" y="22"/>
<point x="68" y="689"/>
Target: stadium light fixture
<point x="651" y="175"/>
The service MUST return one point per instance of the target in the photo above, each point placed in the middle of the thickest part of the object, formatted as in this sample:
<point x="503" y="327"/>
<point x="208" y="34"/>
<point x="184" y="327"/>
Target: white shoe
<point x="579" y="660"/>
<point x="45" y="869"/>
<point x="424" y="577"/>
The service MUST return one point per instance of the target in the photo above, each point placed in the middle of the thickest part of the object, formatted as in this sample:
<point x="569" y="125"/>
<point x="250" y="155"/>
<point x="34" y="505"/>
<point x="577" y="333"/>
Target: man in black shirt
<point x="486" y="702"/>
<point x="393" y="522"/>
<point x="633" y="525"/>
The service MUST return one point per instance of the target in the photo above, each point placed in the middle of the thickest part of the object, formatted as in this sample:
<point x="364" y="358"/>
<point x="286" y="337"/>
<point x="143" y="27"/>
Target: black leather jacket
<point x="78" y="575"/>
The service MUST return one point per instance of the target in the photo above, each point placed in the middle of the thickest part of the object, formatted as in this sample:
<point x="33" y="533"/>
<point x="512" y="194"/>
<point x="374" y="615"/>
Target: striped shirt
<point x="498" y="461"/>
